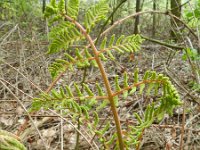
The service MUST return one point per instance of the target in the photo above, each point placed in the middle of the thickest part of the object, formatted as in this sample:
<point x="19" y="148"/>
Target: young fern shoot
<point x="67" y="30"/>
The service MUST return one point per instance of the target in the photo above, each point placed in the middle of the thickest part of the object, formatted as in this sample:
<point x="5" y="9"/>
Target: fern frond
<point x="62" y="36"/>
<point x="121" y="45"/>
<point x="81" y="60"/>
<point x="51" y="9"/>
<point x="58" y="67"/>
<point x="151" y="83"/>
<point x="73" y="8"/>
<point x="61" y="6"/>
<point x="95" y="14"/>
<point x="67" y="97"/>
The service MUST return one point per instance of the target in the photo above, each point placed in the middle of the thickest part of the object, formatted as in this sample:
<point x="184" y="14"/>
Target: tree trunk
<point x="43" y="5"/>
<point x="154" y="19"/>
<point x="137" y="18"/>
<point x="175" y="10"/>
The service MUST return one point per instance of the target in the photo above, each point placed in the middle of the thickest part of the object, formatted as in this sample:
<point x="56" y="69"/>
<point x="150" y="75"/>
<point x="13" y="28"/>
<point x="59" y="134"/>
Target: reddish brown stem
<point x="106" y="81"/>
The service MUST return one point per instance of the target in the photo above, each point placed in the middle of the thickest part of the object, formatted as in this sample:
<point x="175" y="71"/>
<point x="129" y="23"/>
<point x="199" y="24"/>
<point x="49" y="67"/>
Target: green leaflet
<point x="119" y="40"/>
<point x="112" y="139"/>
<point x="96" y="118"/>
<point x="85" y="111"/>
<point x="111" y="42"/>
<point x="142" y="86"/>
<point x="103" y="43"/>
<point x="56" y="95"/>
<point x="88" y="55"/>
<point x="116" y="101"/>
<point x="87" y="89"/>
<point x="73" y="8"/>
<point x="78" y="91"/>
<point x="69" y="92"/>
<point x="110" y="55"/>
<point x="61" y="6"/>
<point x="138" y="118"/>
<point x="117" y="87"/>
<point x="95" y="13"/>
<point x="125" y="93"/>
<point x="102" y="105"/>
<point x="136" y="76"/>
<point x="100" y="90"/>
<point x="125" y="79"/>
<point x="107" y="126"/>
<point x="9" y="141"/>
<point x="151" y="85"/>
<point x="133" y="90"/>
<point x="53" y="3"/>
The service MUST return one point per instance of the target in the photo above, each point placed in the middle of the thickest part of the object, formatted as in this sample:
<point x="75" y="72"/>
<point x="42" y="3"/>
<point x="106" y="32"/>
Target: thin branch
<point x="182" y="129"/>
<point x="21" y="104"/>
<point x="73" y="126"/>
<point x="163" y="43"/>
<point x="145" y="12"/>
<point x="22" y="75"/>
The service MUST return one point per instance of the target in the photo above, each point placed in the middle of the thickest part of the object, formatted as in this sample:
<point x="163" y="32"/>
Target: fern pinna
<point x="83" y="100"/>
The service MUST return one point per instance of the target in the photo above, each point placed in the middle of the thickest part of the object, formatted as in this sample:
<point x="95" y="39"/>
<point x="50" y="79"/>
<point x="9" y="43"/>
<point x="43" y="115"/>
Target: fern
<point x="88" y="100"/>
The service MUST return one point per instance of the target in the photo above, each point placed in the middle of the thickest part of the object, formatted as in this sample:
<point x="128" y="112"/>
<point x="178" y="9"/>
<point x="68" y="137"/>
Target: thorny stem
<point x="106" y="82"/>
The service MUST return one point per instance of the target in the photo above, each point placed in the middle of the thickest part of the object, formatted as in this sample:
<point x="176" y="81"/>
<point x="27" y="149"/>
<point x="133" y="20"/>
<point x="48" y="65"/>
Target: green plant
<point x="193" y="15"/>
<point x="193" y="57"/>
<point x="86" y="101"/>
<point x="20" y="11"/>
<point x="9" y="141"/>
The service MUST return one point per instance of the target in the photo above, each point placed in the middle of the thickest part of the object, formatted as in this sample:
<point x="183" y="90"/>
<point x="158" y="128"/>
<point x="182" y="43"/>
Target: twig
<point x="8" y="34"/>
<point x="21" y="104"/>
<point x="16" y="88"/>
<point x="183" y="128"/>
<point x="22" y="75"/>
<point x="163" y="43"/>
<point x="145" y="12"/>
<point x="182" y="87"/>
<point x="73" y="126"/>
<point x="61" y="133"/>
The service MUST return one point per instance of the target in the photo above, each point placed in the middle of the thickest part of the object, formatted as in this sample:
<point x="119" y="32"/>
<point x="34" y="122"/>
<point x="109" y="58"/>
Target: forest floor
<point x="24" y="73"/>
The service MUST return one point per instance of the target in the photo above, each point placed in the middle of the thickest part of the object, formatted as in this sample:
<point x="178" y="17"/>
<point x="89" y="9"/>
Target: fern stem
<point x="105" y="79"/>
